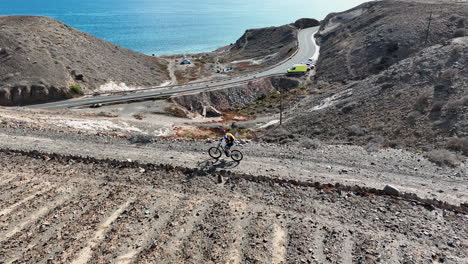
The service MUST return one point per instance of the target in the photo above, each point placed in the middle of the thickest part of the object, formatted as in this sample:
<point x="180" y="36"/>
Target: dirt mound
<point x="420" y="101"/>
<point x="41" y="57"/>
<point x="373" y="36"/>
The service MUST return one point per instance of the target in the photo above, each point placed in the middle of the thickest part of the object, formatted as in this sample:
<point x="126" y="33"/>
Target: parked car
<point x="298" y="69"/>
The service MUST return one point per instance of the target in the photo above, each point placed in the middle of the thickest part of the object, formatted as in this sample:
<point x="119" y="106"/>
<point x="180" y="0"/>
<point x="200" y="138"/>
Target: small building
<point x="185" y="61"/>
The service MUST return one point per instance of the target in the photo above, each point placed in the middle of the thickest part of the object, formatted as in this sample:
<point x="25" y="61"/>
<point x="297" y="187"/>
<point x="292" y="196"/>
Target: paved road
<point x="307" y="49"/>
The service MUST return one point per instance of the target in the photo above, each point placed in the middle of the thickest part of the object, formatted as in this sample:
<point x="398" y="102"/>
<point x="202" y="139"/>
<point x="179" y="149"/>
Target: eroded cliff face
<point x="41" y="57"/>
<point x="213" y="103"/>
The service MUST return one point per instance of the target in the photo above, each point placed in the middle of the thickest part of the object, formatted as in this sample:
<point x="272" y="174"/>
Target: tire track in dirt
<point x="259" y="233"/>
<point x="208" y="239"/>
<point x="242" y="219"/>
<point x="219" y="234"/>
<point x="179" y="226"/>
<point x="4" y="236"/>
<point x="51" y="229"/>
<point x="104" y="227"/>
<point x="174" y="249"/>
<point x="333" y="243"/>
<point x="393" y="258"/>
<point x="9" y="186"/>
<point x="347" y="251"/>
<point x="5" y="182"/>
<point x="15" y="194"/>
<point x="278" y="244"/>
<point x="319" y="246"/>
<point x="299" y="248"/>
<point x="12" y="207"/>
<point x="137" y="228"/>
<point x="80" y="235"/>
<point x="25" y="209"/>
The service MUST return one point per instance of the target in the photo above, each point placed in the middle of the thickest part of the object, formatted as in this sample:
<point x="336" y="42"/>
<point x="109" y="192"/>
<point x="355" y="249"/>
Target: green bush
<point x="274" y="95"/>
<point x="76" y="89"/>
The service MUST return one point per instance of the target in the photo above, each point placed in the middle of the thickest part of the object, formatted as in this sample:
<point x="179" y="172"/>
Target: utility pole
<point x="428" y="28"/>
<point x="281" y="107"/>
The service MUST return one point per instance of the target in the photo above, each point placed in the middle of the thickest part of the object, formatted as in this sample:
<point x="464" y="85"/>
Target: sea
<point x="163" y="27"/>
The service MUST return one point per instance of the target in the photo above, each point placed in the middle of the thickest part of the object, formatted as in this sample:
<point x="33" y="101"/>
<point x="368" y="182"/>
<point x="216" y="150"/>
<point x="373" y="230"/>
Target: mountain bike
<point x="217" y="152"/>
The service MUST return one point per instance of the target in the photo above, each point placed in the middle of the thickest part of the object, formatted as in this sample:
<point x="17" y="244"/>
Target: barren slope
<point x="420" y="102"/>
<point x="369" y="38"/>
<point x="41" y="57"/>
<point x="74" y="211"/>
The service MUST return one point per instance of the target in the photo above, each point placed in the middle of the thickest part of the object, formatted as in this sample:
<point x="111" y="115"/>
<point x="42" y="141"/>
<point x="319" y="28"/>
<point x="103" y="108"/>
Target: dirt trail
<point x="347" y="165"/>
<point x="110" y="213"/>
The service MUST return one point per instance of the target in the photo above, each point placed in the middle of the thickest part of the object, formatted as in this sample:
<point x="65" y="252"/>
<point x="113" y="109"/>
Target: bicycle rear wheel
<point x="215" y="152"/>
<point x="236" y="155"/>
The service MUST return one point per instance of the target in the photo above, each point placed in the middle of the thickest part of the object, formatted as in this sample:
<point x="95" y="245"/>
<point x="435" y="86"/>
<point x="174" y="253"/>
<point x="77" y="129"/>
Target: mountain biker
<point x="227" y="140"/>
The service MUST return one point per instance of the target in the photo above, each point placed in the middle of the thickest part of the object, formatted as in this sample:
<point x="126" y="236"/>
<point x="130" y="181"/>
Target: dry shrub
<point x="279" y="131"/>
<point x="347" y="108"/>
<point x="106" y="114"/>
<point x="454" y="106"/>
<point x="422" y="101"/>
<point x="412" y="117"/>
<point x="449" y="75"/>
<point x="459" y="33"/>
<point x="138" y="116"/>
<point x="443" y="157"/>
<point x="141" y="139"/>
<point x="279" y="135"/>
<point x="375" y="143"/>
<point x="355" y="130"/>
<point x="459" y="145"/>
<point x="175" y="111"/>
<point x="311" y="143"/>
<point x="456" y="53"/>
<point x="437" y="106"/>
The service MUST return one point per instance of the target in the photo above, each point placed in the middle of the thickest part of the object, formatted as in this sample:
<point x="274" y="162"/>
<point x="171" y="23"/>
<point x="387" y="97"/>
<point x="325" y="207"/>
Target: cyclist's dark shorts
<point x="229" y="145"/>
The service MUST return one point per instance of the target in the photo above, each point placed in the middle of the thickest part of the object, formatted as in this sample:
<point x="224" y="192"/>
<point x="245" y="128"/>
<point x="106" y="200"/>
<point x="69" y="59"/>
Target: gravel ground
<point x="349" y="165"/>
<point x="56" y="211"/>
<point x="70" y="211"/>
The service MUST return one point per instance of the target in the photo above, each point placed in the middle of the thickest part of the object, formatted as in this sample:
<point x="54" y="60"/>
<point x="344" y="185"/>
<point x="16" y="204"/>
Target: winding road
<point x="307" y="48"/>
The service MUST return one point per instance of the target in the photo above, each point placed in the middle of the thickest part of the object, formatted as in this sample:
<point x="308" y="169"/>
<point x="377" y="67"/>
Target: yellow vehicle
<point x="298" y="69"/>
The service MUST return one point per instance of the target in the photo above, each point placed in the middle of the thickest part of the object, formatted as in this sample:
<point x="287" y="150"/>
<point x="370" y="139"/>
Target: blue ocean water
<point x="173" y="26"/>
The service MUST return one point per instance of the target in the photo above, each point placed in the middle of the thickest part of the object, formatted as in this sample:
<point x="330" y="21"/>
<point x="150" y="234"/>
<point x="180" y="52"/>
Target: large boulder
<point x="306" y="23"/>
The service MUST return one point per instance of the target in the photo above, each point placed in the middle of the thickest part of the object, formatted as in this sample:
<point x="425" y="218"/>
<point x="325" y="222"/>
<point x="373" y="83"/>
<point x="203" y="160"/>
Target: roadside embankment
<point x="213" y="103"/>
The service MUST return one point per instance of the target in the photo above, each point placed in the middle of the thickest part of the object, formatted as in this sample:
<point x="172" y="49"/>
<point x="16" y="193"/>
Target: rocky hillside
<point x="373" y="36"/>
<point x="41" y="57"/>
<point x="214" y="103"/>
<point x="268" y="45"/>
<point x="417" y="98"/>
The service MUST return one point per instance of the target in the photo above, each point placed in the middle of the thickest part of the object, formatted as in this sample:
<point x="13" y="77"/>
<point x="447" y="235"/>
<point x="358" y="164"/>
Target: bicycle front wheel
<point x="236" y="155"/>
<point x="215" y="152"/>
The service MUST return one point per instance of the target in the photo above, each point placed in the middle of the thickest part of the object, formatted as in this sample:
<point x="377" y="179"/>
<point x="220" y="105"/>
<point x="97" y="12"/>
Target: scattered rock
<point x="390" y="190"/>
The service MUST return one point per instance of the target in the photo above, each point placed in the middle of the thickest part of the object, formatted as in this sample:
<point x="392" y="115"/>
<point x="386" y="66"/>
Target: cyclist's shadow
<point x="209" y="166"/>
<point x="213" y="164"/>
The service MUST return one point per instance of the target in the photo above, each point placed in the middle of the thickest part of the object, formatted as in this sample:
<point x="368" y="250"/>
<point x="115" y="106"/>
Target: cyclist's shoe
<point x="227" y="154"/>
